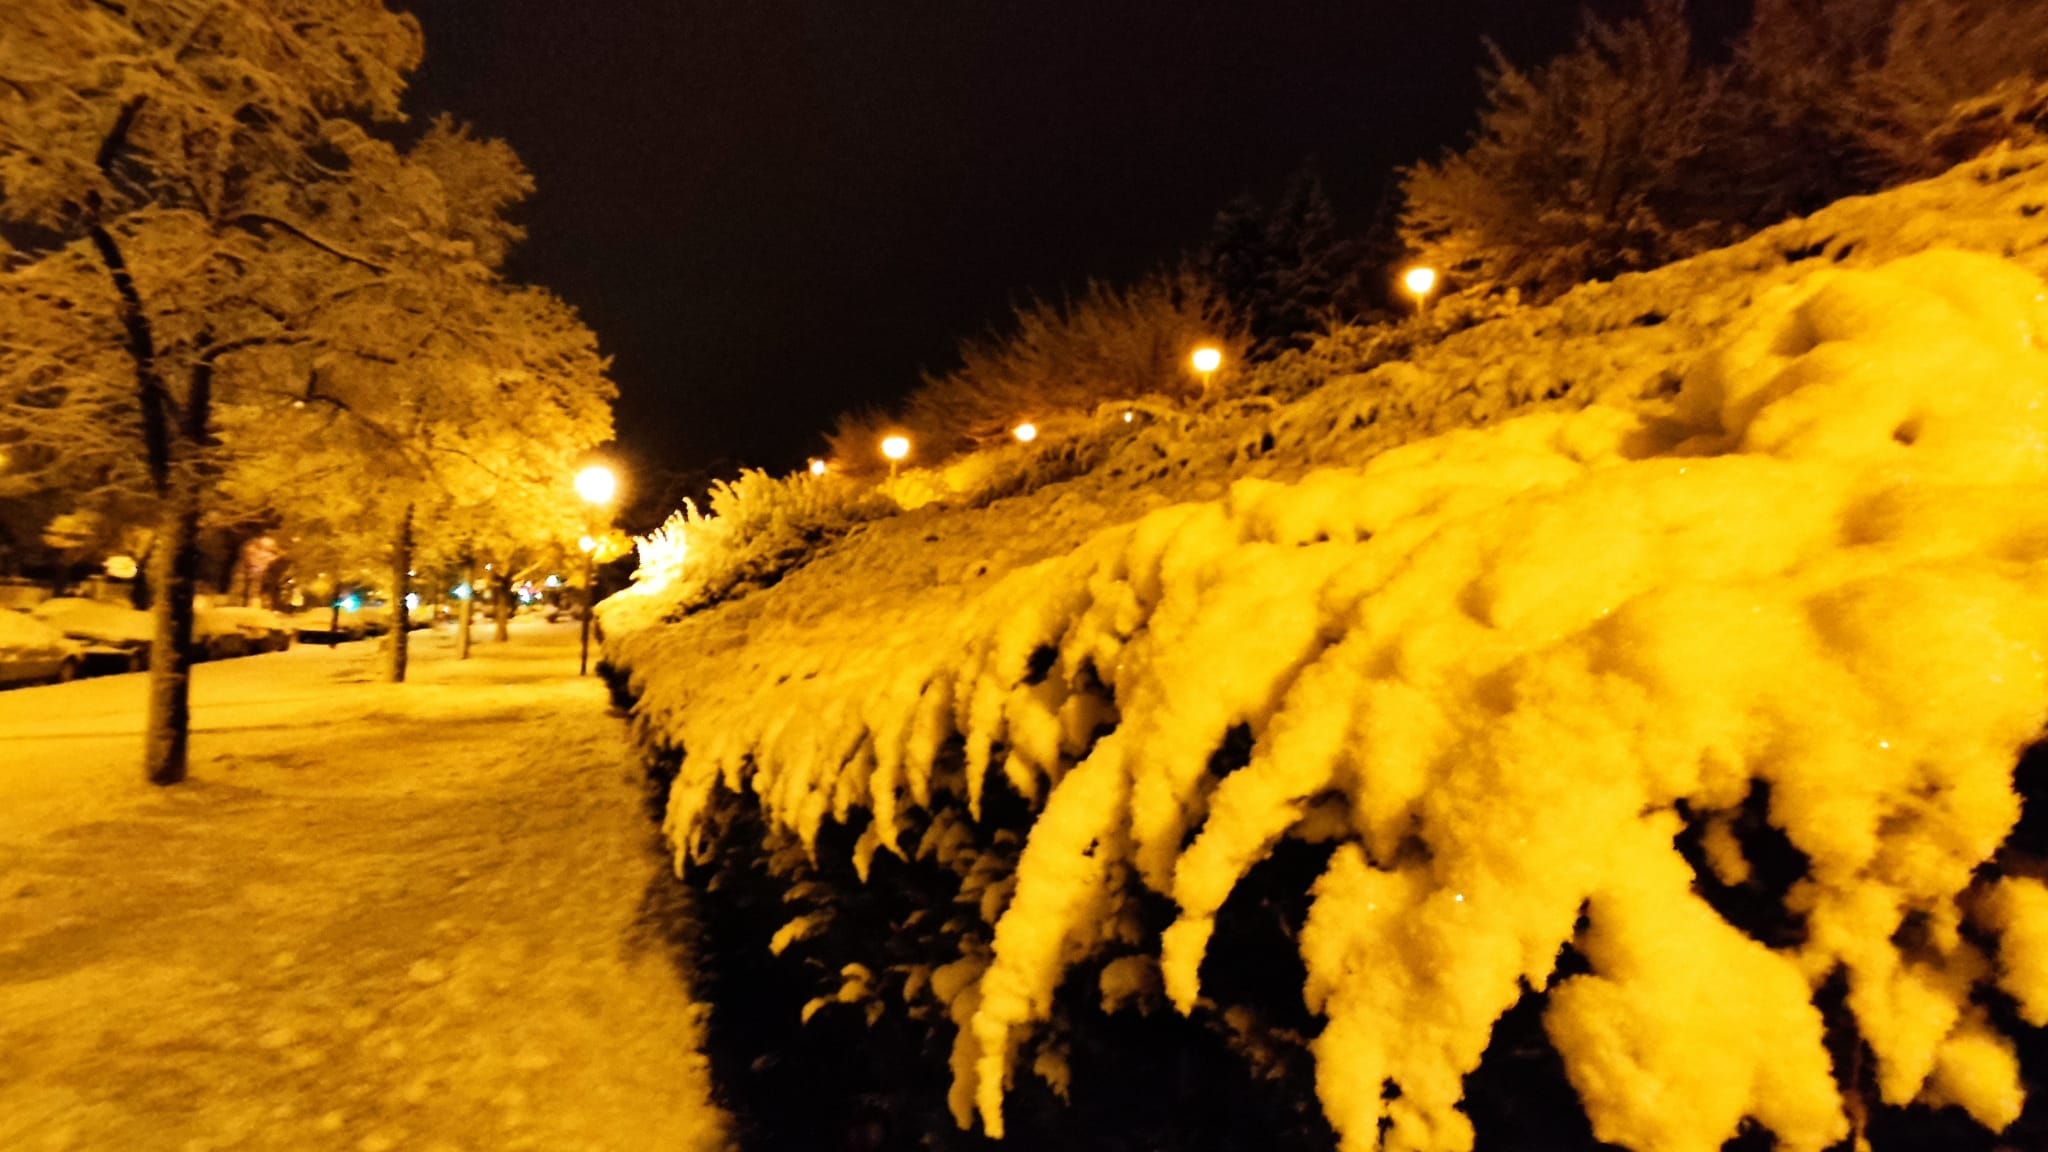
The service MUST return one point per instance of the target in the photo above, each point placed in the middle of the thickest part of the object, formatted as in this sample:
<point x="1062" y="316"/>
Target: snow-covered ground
<point x="426" y="916"/>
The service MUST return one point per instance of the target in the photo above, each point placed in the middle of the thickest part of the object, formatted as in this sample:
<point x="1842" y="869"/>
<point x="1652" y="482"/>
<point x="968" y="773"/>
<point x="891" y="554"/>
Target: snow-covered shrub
<point x="1657" y="640"/>
<point x="1062" y="360"/>
<point x="1500" y="669"/>
<point x="758" y="527"/>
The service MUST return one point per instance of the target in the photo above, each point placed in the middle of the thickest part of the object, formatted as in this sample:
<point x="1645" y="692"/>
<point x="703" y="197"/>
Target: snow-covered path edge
<point x="429" y="916"/>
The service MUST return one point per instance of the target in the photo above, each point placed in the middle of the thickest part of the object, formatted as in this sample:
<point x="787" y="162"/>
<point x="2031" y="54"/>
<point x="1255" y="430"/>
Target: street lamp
<point x="1206" y="360"/>
<point x="895" y="448"/>
<point x="1025" y="433"/>
<point x="597" y="485"/>
<point x="1420" y="282"/>
<point x="817" y="466"/>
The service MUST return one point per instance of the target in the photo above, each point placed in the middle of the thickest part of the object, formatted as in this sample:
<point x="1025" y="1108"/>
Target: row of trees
<point x="1636" y="147"/>
<point x="1267" y="279"/>
<point x="1639" y="146"/>
<point x="231" y="290"/>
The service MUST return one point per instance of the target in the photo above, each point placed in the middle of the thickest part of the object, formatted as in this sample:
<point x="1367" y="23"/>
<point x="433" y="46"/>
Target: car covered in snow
<point x="226" y="630"/>
<point x="32" y="652"/>
<point x="116" y="637"/>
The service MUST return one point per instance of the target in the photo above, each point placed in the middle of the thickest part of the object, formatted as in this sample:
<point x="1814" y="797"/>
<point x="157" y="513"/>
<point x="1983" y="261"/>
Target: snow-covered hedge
<point x="1664" y="653"/>
<point x="757" y="528"/>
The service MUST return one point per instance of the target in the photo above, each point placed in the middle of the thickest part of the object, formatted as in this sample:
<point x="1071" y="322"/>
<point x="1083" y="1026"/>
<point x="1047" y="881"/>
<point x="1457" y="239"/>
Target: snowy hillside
<point x="1666" y="651"/>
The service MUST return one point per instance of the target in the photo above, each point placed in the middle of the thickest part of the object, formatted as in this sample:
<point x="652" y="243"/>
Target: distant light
<point x="412" y="601"/>
<point x="597" y="485"/>
<point x="1127" y="417"/>
<point x="587" y="544"/>
<point x="817" y="467"/>
<point x="351" y="603"/>
<point x="1420" y="281"/>
<point x="1207" y="359"/>
<point x="896" y="447"/>
<point x="554" y="582"/>
<point x="487" y="567"/>
<point x="463" y="591"/>
<point x="1025" y="433"/>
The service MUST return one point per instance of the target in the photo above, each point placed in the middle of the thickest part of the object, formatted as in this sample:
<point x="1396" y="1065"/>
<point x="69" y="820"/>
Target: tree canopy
<point x="230" y="289"/>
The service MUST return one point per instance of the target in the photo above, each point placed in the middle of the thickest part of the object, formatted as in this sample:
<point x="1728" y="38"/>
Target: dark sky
<point x="774" y="210"/>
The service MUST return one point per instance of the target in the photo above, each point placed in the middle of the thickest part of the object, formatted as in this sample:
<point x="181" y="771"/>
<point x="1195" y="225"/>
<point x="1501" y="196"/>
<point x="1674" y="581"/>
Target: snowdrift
<point x="1666" y="652"/>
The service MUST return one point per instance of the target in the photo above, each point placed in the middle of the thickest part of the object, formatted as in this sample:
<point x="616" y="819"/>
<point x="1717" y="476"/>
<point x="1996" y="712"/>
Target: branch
<point x="117" y="138"/>
<point x="250" y="221"/>
<point x="213" y="352"/>
<point x="155" y="399"/>
<point x="192" y="32"/>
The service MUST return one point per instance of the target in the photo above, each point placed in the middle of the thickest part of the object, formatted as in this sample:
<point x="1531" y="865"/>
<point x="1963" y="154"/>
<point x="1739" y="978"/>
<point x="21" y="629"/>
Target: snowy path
<point x="378" y="917"/>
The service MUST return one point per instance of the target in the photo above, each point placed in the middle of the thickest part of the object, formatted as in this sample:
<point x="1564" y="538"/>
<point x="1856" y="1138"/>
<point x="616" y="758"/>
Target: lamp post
<point x="597" y="485"/>
<point x="895" y="448"/>
<point x="1419" y="282"/>
<point x="1025" y="433"/>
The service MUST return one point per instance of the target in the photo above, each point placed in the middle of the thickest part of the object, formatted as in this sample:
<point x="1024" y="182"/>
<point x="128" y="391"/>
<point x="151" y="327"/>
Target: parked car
<point x="378" y="617"/>
<point x="32" y="652"/>
<point x="116" y="637"/>
<point x="16" y="592"/>
<point x="323" y="625"/>
<point x="237" y="630"/>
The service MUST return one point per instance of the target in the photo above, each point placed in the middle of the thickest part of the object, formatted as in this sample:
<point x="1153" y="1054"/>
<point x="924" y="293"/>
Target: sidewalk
<point x="377" y="917"/>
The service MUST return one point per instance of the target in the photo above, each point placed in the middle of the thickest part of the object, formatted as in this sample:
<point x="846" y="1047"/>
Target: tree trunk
<point x="501" y="605"/>
<point x="468" y="611"/>
<point x="401" y="587"/>
<point x="174" y="564"/>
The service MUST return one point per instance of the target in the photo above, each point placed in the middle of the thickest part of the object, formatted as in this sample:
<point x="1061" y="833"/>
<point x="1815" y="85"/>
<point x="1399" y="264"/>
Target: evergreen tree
<point x="1287" y="271"/>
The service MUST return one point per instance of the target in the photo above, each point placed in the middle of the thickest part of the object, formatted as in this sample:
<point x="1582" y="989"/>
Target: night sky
<point x="775" y="210"/>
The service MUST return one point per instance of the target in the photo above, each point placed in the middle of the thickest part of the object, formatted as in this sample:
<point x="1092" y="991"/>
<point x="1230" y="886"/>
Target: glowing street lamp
<point x="1207" y="359"/>
<point x="1025" y="433"/>
<point x="817" y="466"/>
<point x="1420" y="282"/>
<point x="895" y="448"/>
<point x="598" y="486"/>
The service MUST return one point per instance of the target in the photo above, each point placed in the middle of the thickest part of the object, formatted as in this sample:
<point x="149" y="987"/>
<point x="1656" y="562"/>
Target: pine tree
<point x="1287" y="271"/>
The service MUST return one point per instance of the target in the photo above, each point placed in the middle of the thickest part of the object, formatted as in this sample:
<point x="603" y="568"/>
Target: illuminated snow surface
<point x="377" y="917"/>
<point x="1787" y="530"/>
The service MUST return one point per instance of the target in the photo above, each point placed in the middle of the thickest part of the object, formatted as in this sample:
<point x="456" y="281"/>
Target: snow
<point x="96" y="619"/>
<point x="379" y="916"/>
<point x="1494" y="616"/>
<point x="26" y="640"/>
